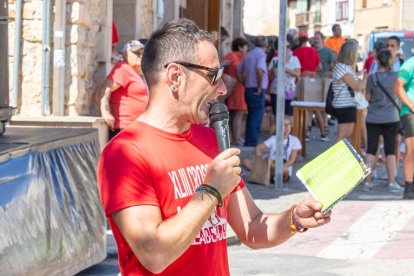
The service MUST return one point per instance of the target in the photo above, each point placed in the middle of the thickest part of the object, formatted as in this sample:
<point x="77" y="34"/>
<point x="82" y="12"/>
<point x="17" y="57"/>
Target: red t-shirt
<point x="368" y="63"/>
<point x="129" y="100"/>
<point x="144" y="165"/>
<point x="236" y="100"/>
<point x="308" y="58"/>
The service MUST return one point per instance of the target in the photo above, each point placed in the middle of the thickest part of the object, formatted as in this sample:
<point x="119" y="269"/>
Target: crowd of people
<point x="381" y="92"/>
<point x="125" y="92"/>
<point x="168" y="210"/>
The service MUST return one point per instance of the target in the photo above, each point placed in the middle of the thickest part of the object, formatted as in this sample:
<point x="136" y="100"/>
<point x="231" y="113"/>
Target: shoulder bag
<point x="329" y="109"/>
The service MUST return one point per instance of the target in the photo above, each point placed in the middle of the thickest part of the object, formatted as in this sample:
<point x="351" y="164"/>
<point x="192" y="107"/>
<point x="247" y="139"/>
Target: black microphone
<point x="219" y="118"/>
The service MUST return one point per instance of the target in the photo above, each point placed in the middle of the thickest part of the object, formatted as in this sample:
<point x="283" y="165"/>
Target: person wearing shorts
<point x="404" y="89"/>
<point x="344" y="82"/>
<point x="382" y="118"/>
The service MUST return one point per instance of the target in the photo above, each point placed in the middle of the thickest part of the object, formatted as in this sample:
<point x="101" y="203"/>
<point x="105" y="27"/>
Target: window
<point x="342" y="10"/>
<point x="317" y="13"/>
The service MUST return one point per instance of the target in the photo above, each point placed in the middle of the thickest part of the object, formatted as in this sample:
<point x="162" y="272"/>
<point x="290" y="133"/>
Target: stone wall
<point x="227" y="22"/>
<point x="85" y="23"/>
<point x="146" y="16"/>
<point x="30" y="56"/>
<point x="134" y="19"/>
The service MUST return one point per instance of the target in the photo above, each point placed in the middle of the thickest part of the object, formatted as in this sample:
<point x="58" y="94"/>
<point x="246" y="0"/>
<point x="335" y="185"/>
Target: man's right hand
<point x="109" y="119"/>
<point x="258" y="92"/>
<point x="223" y="172"/>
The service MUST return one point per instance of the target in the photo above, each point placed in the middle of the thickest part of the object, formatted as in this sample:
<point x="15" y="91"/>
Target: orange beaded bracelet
<point x="294" y="225"/>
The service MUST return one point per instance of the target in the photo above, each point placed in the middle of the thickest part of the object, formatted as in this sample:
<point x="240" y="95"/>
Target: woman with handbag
<point x="344" y="82"/>
<point x="236" y="102"/>
<point x="382" y="118"/>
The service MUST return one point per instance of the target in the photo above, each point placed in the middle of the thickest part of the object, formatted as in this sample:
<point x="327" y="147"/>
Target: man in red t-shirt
<point x="310" y="65"/>
<point x="308" y="57"/>
<point x="167" y="191"/>
<point x="125" y="93"/>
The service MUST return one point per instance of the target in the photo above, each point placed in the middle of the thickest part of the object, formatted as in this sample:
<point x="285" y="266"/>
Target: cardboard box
<point x="312" y="89"/>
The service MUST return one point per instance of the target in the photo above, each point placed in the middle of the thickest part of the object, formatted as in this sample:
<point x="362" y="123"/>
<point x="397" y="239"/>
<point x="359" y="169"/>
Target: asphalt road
<point x="371" y="233"/>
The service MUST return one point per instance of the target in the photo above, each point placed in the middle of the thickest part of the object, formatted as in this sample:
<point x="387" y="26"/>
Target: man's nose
<point x="221" y="87"/>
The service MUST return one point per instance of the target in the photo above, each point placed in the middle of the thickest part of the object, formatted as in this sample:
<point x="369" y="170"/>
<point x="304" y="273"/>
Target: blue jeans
<point x="255" y="109"/>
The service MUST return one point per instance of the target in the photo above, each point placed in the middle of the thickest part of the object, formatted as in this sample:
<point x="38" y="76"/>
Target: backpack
<point x="329" y="109"/>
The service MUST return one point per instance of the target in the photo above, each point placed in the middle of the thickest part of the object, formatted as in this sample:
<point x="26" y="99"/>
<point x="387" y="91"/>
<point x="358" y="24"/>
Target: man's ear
<point x="173" y="76"/>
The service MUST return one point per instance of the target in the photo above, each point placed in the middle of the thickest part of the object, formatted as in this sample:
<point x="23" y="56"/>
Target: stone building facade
<point x="88" y="33"/>
<point x="87" y="51"/>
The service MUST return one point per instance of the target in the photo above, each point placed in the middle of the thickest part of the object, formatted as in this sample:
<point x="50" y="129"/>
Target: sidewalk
<point x="271" y="200"/>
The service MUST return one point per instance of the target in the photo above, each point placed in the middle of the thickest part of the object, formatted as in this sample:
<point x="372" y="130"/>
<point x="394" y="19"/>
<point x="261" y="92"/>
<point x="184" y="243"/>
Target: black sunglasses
<point x="214" y="80"/>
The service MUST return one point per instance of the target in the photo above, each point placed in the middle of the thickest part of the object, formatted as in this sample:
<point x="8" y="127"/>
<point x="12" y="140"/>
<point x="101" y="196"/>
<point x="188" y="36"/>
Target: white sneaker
<point x="394" y="187"/>
<point x="324" y="138"/>
<point x="367" y="187"/>
<point x="374" y="174"/>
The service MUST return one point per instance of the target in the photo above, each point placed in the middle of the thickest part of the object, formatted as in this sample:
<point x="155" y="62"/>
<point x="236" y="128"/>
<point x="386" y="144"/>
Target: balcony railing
<point x="308" y="18"/>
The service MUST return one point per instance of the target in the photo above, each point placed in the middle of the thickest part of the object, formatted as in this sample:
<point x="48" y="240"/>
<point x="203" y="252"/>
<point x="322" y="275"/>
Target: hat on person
<point x="133" y="46"/>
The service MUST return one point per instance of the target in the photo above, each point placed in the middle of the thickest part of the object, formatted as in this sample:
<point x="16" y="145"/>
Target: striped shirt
<point x="342" y="97"/>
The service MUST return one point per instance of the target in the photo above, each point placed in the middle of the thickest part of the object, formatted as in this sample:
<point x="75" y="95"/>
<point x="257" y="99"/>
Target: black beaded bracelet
<point x="212" y="191"/>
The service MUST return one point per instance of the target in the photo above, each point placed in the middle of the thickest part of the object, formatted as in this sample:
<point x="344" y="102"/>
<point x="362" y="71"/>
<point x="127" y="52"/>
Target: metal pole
<point x="16" y="62"/>
<point x="4" y="56"/>
<point x="46" y="58"/>
<point x="5" y="109"/>
<point x="401" y="15"/>
<point x="59" y="59"/>
<point x="280" y="103"/>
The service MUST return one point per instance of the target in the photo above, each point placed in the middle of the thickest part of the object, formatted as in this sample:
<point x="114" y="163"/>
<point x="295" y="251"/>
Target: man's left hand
<point x="308" y="213"/>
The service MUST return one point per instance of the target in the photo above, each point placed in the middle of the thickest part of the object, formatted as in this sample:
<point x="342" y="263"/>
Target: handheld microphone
<point x="219" y="118"/>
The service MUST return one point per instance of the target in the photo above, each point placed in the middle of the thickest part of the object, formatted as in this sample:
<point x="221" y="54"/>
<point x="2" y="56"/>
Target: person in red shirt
<point x="368" y="62"/>
<point x="308" y="57"/>
<point x="310" y="65"/>
<point x="236" y="102"/>
<point x="125" y="93"/>
<point x="167" y="192"/>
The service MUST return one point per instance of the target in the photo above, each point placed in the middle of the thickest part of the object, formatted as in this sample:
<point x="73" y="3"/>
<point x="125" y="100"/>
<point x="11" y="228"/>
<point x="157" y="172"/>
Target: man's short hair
<point x="237" y="43"/>
<point x="396" y="38"/>
<point x="334" y="26"/>
<point x="260" y="41"/>
<point x="320" y="34"/>
<point x="174" y="41"/>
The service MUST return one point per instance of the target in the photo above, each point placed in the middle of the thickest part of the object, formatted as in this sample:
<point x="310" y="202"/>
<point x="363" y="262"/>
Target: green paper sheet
<point x="333" y="174"/>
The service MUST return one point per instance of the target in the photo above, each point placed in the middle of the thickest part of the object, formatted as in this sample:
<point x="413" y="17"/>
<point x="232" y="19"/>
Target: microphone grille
<point x="218" y="112"/>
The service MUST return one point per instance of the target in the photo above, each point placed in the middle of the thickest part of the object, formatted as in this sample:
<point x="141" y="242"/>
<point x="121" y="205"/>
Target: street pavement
<point x="371" y="233"/>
